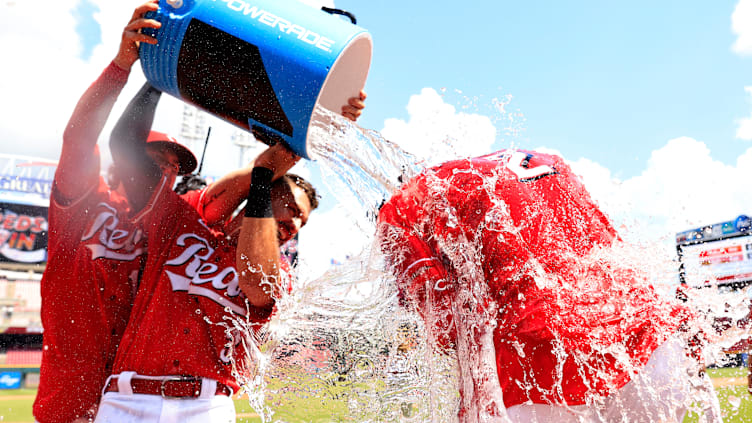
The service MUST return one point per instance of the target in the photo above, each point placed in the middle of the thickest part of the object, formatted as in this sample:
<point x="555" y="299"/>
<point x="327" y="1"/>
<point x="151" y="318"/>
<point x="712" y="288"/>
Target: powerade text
<point x="284" y="26"/>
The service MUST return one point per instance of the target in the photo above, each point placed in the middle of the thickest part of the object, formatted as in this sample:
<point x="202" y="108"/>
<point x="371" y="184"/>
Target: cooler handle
<point x="333" y="11"/>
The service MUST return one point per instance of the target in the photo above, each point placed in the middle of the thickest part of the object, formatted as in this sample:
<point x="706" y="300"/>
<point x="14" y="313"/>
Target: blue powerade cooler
<point x="262" y="65"/>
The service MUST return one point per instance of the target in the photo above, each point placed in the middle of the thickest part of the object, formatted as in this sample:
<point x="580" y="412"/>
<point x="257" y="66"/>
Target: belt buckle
<point x="167" y="380"/>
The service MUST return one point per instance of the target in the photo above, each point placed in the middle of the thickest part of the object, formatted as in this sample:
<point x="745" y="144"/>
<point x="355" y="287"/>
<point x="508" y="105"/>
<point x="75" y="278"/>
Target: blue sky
<point x="611" y="81"/>
<point x="87" y="27"/>
<point x="651" y="102"/>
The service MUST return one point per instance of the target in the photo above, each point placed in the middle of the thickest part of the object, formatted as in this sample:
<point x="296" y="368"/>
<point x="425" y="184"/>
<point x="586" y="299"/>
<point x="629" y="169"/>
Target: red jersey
<point x="195" y="198"/>
<point x="88" y="284"/>
<point x="518" y="229"/>
<point x="183" y="319"/>
<point x="87" y="291"/>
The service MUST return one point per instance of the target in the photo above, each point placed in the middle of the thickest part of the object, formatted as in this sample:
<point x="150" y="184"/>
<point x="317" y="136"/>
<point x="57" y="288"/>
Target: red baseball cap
<point x="162" y="141"/>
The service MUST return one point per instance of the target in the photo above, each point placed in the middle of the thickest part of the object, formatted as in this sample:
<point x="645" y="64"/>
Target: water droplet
<point x="734" y="401"/>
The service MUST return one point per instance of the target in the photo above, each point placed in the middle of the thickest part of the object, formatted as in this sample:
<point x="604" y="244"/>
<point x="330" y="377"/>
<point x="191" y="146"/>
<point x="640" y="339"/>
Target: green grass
<point x="315" y="409"/>
<point x="728" y="372"/>
<point x="731" y="414"/>
<point x="17" y="409"/>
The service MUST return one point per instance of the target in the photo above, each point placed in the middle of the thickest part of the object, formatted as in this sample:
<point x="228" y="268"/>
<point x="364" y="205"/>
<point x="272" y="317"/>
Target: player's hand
<point x="279" y="158"/>
<point x="132" y="36"/>
<point x="355" y="106"/>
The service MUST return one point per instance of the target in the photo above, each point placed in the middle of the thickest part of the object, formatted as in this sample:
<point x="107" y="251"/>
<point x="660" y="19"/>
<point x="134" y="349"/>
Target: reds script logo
<point x="113" y="242"/>
<point x="199" y="271"/>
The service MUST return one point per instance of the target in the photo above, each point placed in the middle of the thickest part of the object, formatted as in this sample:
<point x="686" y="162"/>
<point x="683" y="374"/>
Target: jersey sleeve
<point x="78" y="166"/>
<point x="422" y="279"/>
<point x="193" y="198"/>
<point x="67" y="219"/>
<point x="411" y="260"/>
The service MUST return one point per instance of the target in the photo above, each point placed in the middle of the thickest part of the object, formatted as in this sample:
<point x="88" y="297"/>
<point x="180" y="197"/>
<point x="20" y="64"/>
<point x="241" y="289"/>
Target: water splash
<point x="343" y="345"/>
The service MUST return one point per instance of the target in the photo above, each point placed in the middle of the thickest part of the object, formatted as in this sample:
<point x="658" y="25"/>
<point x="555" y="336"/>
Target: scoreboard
<point x="716" y="254"/>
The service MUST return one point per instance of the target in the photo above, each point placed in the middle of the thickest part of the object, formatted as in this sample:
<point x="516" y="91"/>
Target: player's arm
<point x="128" y="150"/>
<point x="79" y="157"/>
<point x="422" y="280"/>
<point x="78" y="165"/>
<point x="257" y="255"/>
<point x="411" y="259"/>
<point x="224" y="196"/>
<point x="138" y="173"/>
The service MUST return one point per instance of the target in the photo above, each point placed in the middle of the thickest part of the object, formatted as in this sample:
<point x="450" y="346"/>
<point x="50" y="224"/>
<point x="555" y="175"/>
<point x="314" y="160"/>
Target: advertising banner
<point x="25" y="187"/>
<point x="10" y="380"/>
<point x="26" y="180"/>
<point x="23" y="234"/>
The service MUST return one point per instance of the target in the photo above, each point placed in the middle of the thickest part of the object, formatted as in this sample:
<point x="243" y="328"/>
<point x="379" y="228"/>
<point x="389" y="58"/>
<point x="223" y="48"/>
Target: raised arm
<point x="224" y="196"/>
<point x="422" y="280"/>
<point x="79" y="157"/>
<point x="257" y="256"/>
<point x="138" y="173"/>
<point x="78" y="167"/>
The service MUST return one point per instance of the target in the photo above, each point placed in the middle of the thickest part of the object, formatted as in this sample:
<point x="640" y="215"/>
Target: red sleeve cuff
<point x="117" y="73"/>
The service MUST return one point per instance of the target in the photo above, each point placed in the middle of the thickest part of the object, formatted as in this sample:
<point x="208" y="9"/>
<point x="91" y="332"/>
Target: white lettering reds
<point x="113" y="242"/>
<point x="198" y="272"/>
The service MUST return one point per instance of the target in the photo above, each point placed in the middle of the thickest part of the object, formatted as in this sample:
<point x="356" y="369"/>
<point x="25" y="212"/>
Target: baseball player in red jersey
<point x="181" y="346"/>
<point x="511" y="264"/>
<point x="95" y="251"/>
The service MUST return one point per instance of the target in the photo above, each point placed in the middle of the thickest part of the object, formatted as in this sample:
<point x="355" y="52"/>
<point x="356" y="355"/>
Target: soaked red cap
<point x="160" y="141"/>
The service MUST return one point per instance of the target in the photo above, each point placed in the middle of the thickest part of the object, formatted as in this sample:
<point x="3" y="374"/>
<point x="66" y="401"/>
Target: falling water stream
<point x="342" y="347"/>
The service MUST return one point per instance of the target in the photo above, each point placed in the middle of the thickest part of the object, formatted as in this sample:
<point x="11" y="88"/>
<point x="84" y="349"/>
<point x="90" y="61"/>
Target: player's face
<point x="167" y="161"/>
<point x="291" y="209"/>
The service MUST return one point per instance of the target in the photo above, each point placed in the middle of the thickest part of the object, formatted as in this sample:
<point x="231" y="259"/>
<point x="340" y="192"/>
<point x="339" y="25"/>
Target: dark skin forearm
<point x="257" y="255"/>
<point x="136" y="170"/>
<point x="258" y="260"/>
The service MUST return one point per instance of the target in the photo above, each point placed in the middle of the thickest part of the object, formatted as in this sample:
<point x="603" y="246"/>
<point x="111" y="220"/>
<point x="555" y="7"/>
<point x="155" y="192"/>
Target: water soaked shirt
<point x="511" y="243"/>
<point x="190" y="316"/>
<point x="87" y="290"/>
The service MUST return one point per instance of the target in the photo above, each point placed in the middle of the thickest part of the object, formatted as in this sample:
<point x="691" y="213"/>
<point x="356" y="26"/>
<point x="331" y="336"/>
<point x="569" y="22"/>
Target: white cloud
<point x="744" y="131"/>
<point x="40" y="74"/>
<point x="436" y="132"/>
<point x="682" y="187"/>
<point x="741" y="24"/>
<point x="43" y="77"/>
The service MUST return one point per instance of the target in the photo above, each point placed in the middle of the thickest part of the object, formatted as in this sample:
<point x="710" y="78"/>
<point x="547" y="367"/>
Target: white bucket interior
<point x="348" y="74"/>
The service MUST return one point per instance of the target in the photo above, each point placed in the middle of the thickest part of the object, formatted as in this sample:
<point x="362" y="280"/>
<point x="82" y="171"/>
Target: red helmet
<point x="161" y="141"/>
